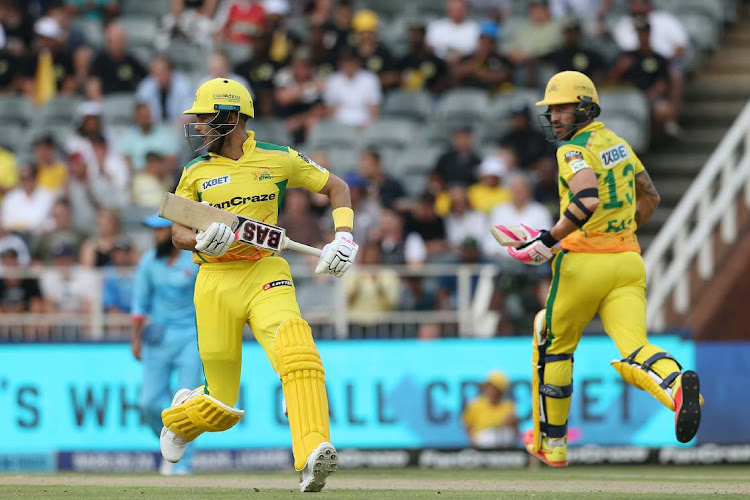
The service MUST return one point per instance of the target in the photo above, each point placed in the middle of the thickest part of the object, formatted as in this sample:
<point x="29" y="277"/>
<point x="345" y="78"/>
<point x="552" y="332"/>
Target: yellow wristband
<point x="343" y="217"/>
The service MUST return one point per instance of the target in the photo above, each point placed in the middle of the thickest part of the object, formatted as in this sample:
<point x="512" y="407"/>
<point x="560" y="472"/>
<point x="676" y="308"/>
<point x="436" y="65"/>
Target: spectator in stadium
<point x="299" y="95"/>
<point x="536" y="37"/>
<point x="323" y="57"/>
<point x="490" y="419"/>
<point x="260" y="70"/>
<point x="594" y="12"/>
<point x="374" y="55"/>
<point x="117" y="280"/>
<point x="145" y="136"/>
<point x="647" y="70"/>
<point x="110" y="164"/>
<point x="67" y="286"/>
<point x="89" y="124"/>
<point x="520" y="209"/>
<point x="10" y="71"/>
<point x="114" y="68"/>
<point x="300" y="224"/>
<point x="424" y="222"/>
<point x="523" y="144"/>
<point x="88" y="191"/>
<point x="48" y="67"/>
<point x="18" y="26"/>
<point x="389" y="234"/>
<point x="57" y="230"/>
<point x="283" y="41"/>
<point x="12" y="241"/>
<point x="485" y="68"/>
<point x="546" y="190"/>
<point x="97" y="249"/>
<point x="238" y="21"/>
<point x="455" y="35"/>
<point x="457" y="165"/>
<point x="189" y="20"/>
<point x="462" y="221"/>
<point x="668" y="38"/>
<point x="574" y="56"/>
<point x="420" y="68"/>
<point x="18" y="294"/>
<point x="490" y="191"/>
<point x="52" y="174"/>
<point x="352" y="94"/>
<point x="219" y="66"/>
<point x="26" y="207"/>
<point x="75" y="42"/>
<point x="166" y="91"/>
<point x="96" y="10"/>
<point x="371" y="290"/>
<point x="339" y="32"/>
<point x="382" y="187"/>
<point x="150" y="183"/>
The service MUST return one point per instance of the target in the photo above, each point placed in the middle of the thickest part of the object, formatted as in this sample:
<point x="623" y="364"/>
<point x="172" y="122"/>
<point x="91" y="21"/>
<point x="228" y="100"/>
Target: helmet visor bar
<point x="216" y="128"/>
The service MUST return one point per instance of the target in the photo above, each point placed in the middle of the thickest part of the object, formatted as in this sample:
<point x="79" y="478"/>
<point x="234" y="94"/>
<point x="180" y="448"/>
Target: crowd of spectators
<point x="71" y="199"/>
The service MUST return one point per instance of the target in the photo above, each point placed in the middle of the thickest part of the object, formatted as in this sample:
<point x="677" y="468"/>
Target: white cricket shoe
<point x="321" y="463"/>
<point x="173" y="446"/>
<point x="165" y="469"/>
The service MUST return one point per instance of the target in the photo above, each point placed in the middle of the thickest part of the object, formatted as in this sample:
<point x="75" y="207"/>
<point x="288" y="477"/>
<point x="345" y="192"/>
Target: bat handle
<point x="300" y="247"/>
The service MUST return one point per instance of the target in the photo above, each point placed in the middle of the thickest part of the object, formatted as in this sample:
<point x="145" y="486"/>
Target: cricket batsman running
<point x="605" y="195"/>
<point x="239" y="284"/>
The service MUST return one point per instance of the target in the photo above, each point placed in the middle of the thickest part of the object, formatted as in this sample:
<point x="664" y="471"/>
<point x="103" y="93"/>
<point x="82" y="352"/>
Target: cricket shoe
<point x="687" y="406"/>
<point x="173" y="446"/>
<point x="554" y="457"/>
<point x="321" y="463"/>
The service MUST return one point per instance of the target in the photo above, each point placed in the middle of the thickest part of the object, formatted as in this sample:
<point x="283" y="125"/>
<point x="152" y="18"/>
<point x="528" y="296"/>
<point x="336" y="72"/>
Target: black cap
<point x="63" y="250"/>
<point x="122" y="243"/>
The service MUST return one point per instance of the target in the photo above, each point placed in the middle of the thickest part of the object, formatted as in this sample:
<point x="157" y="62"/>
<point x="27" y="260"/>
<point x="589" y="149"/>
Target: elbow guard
<point x="587" y="214"/>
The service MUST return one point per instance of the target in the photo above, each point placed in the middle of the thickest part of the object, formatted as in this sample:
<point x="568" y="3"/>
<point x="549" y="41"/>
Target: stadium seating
<point x="461" y="106"/>
<point x="151" y="8"/>
<point x="390" y="132"/>
<point x="414" y="105"/>
<point x="118" y="108"/>
<point x="16" y="110"/>
<point x="330" y="134"/>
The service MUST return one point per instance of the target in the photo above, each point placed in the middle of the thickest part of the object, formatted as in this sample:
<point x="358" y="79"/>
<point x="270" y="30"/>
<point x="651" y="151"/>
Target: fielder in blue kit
<point x="164" y="335"/>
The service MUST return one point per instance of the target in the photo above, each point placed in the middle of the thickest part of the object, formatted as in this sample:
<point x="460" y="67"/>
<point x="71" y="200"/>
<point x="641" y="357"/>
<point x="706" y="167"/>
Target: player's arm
<point x="183" y="237"/>
<point x="646" y="196"/>
<point x="338" y="193"/>
<point x="585" y="192"/>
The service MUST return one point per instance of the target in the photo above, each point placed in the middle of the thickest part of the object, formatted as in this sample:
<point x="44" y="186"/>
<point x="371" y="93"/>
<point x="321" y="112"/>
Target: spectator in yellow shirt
<point x="52" y="174"/>
<point x="490" y="419"/>
<point x="8" y="170"/>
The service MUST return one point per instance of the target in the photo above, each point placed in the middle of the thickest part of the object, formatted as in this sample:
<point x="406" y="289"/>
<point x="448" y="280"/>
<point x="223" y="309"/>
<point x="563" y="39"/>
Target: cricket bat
<point x="512" y="236"/>
<point x="199" y="216"/>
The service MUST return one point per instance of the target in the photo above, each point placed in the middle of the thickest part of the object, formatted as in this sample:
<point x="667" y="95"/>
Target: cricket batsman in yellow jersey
<point x="605" y="195"/>
<point x="239" y="284"/>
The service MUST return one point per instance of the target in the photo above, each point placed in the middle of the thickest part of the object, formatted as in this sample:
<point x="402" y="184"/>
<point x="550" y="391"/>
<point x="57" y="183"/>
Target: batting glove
<point x="537" y="251"/>
<point x="338" y="255"/>
<point x="215" y="240"/>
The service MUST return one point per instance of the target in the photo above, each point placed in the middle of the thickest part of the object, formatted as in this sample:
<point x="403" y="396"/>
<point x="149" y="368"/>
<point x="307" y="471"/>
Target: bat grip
<point x="301" y="248"/>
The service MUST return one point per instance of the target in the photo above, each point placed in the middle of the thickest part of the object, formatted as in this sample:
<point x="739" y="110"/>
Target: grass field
<point x="581" y="483"/>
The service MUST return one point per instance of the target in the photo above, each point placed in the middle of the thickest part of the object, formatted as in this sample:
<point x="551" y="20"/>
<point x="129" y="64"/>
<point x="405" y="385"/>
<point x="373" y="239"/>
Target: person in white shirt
<point x="25" y="208"/>
<point x="520" y="209"/>
<point x="462" y="222"/>
<point x="668" y="38"/>
<point x="453" y="36"/>
<point x="352" y="95"/>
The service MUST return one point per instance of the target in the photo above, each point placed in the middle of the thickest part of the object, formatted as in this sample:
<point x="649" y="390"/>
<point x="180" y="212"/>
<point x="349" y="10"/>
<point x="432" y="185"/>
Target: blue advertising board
<point x="383" y="394"/>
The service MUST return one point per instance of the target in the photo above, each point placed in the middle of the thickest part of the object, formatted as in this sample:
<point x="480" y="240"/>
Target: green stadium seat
<point x="415" y="105"/>
<point x="329" y="134"/>
<point x="391" y="133"/>
<point x="118" y="108"/>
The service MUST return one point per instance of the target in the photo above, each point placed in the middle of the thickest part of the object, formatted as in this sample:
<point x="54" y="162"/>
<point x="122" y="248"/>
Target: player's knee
<point x="295" y="348"/>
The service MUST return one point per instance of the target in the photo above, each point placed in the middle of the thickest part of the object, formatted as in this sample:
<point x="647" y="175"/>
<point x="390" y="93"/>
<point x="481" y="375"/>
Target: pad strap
<point x="556" y="391"/>
<point x="646" y="365"/>
<point x="551" y="358"/>
<point x="554" y="431"/>
<point x="669" y="379"/>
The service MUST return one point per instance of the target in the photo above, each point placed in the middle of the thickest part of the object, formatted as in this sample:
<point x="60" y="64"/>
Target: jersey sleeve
<point x="185" y="187"/>
<point x="306" y="173"/>
<point x="572" y="159"/>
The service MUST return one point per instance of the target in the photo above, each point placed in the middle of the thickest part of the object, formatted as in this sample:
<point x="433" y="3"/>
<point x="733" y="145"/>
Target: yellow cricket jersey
<point x="252" y="186"/>
<point x="481" y="414"/>
<point x="612" y="227"/>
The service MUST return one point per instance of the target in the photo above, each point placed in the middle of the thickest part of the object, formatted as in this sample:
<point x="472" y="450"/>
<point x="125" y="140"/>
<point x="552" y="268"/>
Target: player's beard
<point x="164" y="248"/>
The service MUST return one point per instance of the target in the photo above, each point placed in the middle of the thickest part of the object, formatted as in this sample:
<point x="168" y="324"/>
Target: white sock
<point x="555" y="442"/>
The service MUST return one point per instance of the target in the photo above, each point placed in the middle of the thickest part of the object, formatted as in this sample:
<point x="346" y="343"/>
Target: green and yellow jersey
<point x="252" y="186"/>
<point x="612" y="227"/>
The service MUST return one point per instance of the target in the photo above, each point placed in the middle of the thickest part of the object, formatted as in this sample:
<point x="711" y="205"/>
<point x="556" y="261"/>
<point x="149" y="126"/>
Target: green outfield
<point x="626" y="482"/>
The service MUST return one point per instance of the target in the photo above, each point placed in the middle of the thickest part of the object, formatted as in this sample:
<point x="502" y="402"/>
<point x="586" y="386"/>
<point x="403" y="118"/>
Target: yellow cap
<point x="365" y="20"/>
<point x="221" y="92"/>
<point x="498" y="381"/>
<point x="568" y="87"/>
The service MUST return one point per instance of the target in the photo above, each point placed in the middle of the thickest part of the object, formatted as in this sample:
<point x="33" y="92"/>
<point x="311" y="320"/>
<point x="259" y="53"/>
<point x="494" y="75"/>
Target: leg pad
<point x="303" y="381"/>
<point x="200" y="413"/>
